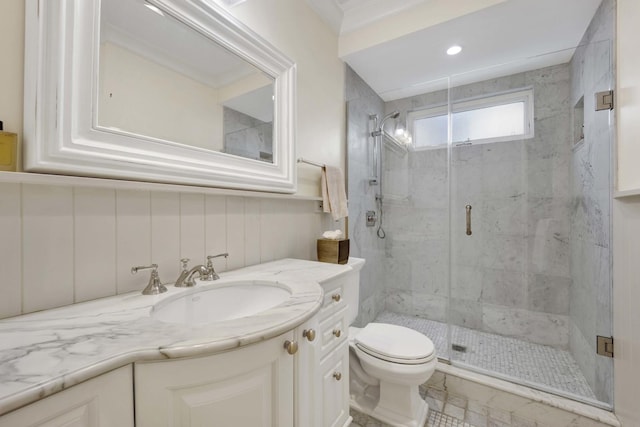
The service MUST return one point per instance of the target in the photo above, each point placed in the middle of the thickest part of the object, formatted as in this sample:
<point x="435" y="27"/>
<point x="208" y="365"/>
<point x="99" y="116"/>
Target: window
<point x="495" y="118"/>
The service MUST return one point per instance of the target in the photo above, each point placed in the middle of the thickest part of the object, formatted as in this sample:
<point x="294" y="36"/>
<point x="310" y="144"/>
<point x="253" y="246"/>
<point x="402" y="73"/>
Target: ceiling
<point x="344" y="16"/>
<point x="509" y="37"/>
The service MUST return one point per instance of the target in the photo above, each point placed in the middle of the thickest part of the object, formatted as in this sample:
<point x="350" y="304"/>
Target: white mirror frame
<point x="61" y="86"/>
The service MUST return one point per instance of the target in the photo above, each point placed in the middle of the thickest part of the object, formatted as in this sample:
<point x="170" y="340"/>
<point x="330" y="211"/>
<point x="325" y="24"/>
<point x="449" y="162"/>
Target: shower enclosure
<point x="497" y="216"/>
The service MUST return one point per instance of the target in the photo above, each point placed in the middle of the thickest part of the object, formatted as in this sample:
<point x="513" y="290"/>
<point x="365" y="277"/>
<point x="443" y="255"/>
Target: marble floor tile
<point x="438" y="419"/>
<point x="454" y="411"/>
<point x="473" y="418"/>
<point x="522" y="422"/>
<point x="436" y="405"/>
<point x="500" y="417"/>
<point x="530" y="363"/>
<point x="457" y="413"/>
<point x="435" y="419"/>
<point x="458" y="401"/>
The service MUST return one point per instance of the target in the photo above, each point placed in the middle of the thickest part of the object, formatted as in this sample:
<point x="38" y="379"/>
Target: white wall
<point x="626" y="218"/>
<point x="626" y="316"/>
<point x="296" y="30"/>
<point x="628" y="95"/>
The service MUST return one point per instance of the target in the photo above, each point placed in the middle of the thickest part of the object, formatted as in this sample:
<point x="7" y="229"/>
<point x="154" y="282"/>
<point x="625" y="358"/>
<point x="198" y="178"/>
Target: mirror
<point x="162" y="90"/>
<point x="159" y="78"/>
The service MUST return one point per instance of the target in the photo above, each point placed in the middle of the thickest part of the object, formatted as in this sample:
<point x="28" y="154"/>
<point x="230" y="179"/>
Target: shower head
<point x="392" y="115"/>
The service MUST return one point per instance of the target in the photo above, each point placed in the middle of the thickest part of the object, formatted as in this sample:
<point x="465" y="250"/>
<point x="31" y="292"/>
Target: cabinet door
<point x="248" y="387"/>
<point x="100" y="402"/>
<point x="335" y="387"/>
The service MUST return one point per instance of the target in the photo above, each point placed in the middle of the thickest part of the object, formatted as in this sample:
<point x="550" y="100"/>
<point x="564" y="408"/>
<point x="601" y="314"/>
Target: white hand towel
<point x="334" y="198"/>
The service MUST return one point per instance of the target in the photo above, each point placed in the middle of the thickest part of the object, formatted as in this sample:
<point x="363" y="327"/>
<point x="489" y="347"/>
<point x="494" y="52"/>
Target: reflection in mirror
<point x="162" y="80"/>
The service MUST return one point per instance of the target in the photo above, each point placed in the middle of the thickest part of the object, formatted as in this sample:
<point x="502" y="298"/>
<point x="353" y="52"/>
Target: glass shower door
<point x="530" y="188"/>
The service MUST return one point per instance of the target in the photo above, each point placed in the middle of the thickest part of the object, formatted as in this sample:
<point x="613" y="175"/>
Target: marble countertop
<point x="46" y="352"/>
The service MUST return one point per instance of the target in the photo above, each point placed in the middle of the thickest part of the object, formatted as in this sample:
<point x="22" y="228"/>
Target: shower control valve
<point x="372" y="218"/>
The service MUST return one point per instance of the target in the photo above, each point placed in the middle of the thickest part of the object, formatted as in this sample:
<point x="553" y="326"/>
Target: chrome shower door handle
<point x="468" y="209"/>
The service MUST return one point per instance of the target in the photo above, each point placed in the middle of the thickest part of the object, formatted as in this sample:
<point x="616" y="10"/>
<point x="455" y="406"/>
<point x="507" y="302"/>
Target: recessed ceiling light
<point x="154" y="8"/>
<point x="454" y="50"/>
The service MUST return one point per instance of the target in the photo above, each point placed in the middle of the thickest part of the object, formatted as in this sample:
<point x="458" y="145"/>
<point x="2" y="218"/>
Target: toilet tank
<point x="352" y="288"/>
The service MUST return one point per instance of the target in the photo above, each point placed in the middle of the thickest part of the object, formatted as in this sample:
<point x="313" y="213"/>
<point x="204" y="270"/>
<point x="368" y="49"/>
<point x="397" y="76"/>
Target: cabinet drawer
<point x="335" y="387"/>
<point x="333" y="331"/>
<point x="333" y="297"/>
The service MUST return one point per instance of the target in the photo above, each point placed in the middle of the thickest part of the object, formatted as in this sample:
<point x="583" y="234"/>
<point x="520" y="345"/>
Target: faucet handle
<point x="210" y="257"/>
<point x="211" y="272"/>
<point x="181" y="280"/>
<point x="154" y="268"/>
<point x="154" y="287"/>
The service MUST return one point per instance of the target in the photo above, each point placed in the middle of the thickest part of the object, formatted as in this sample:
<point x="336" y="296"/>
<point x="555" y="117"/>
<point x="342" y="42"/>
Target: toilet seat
<point x="395" y="344"/>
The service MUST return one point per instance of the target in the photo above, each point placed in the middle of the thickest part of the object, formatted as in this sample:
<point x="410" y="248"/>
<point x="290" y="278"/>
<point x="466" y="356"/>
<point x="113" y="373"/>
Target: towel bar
<point x="309" y="162"/>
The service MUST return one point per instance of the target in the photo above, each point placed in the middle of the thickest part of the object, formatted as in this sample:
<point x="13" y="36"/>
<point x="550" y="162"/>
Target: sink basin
<point x="226" y="302"/>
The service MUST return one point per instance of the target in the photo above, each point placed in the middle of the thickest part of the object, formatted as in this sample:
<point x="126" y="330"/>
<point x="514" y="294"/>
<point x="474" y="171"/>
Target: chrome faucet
<point x="211" y="273"/>
<point x="186" y="280"/>
<point x="207" y="273"/>
<point x="154" y="287"/>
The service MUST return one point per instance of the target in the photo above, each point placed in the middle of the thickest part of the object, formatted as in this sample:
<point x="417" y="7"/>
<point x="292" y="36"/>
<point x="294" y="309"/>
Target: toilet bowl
<point x="387" y="364"/>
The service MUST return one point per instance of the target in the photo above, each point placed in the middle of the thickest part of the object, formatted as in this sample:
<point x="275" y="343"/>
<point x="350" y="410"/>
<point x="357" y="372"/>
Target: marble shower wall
<point x="590" y="296"/>
<point x="416" y="200"/>
<point x="361" y="102"/>
<point x="512" y="276"/>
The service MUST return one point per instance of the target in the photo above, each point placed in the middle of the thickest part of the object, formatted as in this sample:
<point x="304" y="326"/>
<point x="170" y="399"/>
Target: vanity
<point x="101" y="362"/>
<point x="163" y="360"/>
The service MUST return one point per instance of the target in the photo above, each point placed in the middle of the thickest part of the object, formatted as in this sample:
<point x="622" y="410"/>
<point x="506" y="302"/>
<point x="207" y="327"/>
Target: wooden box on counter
<point x="334" y="251"/>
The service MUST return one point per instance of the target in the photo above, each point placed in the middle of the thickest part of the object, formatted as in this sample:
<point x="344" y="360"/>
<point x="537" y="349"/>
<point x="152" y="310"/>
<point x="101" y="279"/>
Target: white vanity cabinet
<point x="323" y="363"/>
<point x="247" y="387"/>
<point x="103" y="401"/>
<point x="236" y="372"/>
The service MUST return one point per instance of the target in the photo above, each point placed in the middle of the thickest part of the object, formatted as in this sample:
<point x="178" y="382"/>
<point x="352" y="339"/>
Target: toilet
<point x="387" y="364"/>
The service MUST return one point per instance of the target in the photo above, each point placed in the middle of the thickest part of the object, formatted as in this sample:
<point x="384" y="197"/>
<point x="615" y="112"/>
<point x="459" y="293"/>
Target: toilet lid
<point x="395" y="343"/>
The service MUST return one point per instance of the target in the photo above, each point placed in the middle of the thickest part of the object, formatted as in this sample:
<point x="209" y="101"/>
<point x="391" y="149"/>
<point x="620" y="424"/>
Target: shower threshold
<point x="535" y="365"/>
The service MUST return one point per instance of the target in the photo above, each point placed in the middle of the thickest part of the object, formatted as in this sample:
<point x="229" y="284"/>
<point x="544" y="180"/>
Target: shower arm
<point x="377" y="135"/>
<point x="378" y="130"/>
